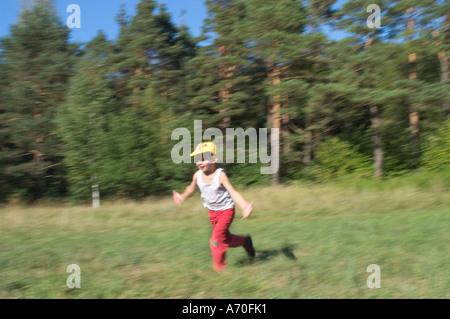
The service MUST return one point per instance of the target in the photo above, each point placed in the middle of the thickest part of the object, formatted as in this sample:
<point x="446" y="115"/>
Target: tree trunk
<point x="443" y="61"/>
<point x="285" y="120"/>
<point x="164" y="128"/>
<point x="307" y="150"/>
<point x="378" y="154"/>
<point x="413" y="113"/>
<point x="274" y="112"/>
<point x="225" y="73"/>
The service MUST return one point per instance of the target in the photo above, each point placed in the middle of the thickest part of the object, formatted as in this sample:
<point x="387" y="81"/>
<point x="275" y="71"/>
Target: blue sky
<point x="99" y="15"/>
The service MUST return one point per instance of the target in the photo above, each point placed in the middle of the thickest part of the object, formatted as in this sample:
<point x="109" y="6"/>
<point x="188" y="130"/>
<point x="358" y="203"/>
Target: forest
<point x="373" y="105"/>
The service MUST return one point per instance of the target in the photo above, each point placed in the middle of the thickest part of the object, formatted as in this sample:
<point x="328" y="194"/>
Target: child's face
<point x="205" y="162"/>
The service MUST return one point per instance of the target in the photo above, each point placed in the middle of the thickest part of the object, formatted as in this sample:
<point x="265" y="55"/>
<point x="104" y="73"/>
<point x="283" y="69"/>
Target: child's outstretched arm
<point x="246" y="207"/>
<point x="180" y="198"/>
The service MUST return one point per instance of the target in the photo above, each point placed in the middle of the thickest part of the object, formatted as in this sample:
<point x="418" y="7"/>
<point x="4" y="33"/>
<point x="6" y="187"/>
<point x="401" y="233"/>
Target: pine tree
<point x="365" y="73"/>
<point x="314" y="120"/>
<point x="276" y="33"/>
<point x="150" y="76"/>
<point x="83" y="120"/>
<point x="5" y="156"/>
<point x="149" y="49"/>
<point x="126" y="90"/>
<point x="426" y="55"/>
<point x="121" y="149"/>
<point x="442" y="38"/>
<point x="219" y="78"/>
<point x="38" y="62"/>
<point x="395" y="74"/>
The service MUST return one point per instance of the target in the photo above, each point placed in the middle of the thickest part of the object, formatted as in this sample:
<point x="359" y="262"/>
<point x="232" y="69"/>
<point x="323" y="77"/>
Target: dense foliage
<point x="375" y="103"/>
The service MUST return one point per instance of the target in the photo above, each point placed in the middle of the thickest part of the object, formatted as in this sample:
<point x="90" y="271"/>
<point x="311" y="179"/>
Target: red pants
<point x="221" y="237"/>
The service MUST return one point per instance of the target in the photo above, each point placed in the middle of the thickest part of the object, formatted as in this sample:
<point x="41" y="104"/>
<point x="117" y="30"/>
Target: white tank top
<point x="214" y="195"/>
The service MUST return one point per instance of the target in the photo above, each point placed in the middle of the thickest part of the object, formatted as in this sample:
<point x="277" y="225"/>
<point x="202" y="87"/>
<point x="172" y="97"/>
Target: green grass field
<point x="312" y="241"/>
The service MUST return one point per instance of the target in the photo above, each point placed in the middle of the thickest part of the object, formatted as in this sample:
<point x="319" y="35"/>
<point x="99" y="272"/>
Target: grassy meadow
<point x="312" y="241"/>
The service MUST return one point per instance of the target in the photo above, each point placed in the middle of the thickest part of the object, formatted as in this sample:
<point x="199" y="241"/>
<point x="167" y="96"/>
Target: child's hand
<point x="247" y="211"/>
<point x="177" y="198"/>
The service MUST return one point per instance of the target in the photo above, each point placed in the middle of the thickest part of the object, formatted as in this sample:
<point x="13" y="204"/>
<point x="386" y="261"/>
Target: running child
<point x="219" y="197"/>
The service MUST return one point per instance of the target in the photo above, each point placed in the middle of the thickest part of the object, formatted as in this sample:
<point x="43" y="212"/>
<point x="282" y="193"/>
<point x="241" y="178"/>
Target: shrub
<point x="436" y="151"/>
<point x="335" y="158"/>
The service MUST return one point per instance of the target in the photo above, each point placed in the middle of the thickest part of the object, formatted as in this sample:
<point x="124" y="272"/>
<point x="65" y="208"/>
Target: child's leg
<point x="221" y="237"/>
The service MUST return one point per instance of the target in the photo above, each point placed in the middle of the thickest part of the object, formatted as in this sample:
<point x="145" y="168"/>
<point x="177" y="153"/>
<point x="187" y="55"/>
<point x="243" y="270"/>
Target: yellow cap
<point x="204" y="148"/>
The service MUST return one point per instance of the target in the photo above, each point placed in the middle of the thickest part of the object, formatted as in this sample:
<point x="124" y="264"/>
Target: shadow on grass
<point x="267" y="254"/>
